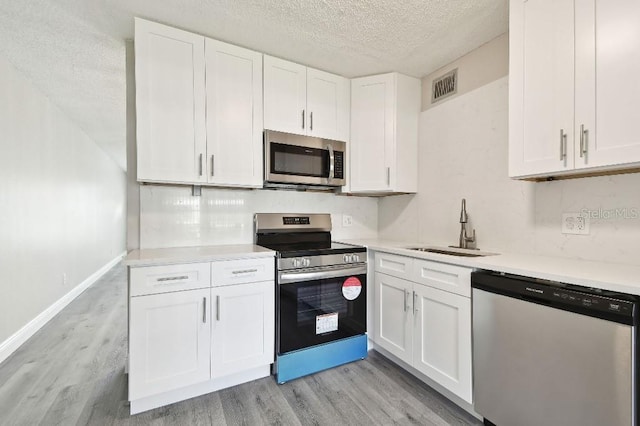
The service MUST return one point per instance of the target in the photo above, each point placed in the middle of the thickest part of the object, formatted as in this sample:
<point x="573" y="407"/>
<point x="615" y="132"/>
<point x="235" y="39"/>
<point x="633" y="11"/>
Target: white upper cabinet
<point x="607" y="87"/>
<point x="572" y="87"/>
<point x="305" y="101"/>
<point x="190" y="131"/>
<point x="384" y="133"/>
<point x="285" y="96"/>
<point x="234" y="115"/>
<point x="170" y="103"/>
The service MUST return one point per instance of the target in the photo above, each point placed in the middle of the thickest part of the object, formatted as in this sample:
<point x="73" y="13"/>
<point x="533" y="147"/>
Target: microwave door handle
<point x="332" y="162"/>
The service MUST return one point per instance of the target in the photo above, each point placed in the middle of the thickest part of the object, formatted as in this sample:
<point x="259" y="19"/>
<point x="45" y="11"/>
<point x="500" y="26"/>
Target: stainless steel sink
<point x="451" y="252"/>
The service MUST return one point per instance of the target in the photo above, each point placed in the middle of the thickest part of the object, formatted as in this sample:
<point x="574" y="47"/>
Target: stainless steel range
<point x="321" y="308"/>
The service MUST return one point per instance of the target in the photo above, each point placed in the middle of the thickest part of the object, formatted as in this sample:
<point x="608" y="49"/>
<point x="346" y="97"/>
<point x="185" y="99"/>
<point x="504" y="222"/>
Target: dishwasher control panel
<point x="595" y="302"/>
<point x="589" y="301"/>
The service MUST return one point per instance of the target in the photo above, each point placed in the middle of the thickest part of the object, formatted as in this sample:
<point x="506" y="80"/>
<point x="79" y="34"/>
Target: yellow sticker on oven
<point x="326" y="323"/>
<point x="351" y="288"/>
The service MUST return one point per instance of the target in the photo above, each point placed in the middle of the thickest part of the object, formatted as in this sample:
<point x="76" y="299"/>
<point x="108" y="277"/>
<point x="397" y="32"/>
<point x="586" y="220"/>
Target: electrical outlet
<point x="575" y="223"/>
<point x="347" y="220"/>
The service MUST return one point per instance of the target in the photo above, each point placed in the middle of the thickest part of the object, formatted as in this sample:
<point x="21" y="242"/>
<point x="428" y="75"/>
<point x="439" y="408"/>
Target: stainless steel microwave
<point x="304" y="161"/>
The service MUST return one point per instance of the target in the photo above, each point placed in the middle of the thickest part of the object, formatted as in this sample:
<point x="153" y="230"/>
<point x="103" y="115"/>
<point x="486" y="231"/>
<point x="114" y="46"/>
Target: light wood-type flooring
<point x="72" y="372"/>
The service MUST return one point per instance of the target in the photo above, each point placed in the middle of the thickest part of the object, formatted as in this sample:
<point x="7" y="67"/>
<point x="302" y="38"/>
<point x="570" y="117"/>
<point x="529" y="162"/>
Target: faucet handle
<point x="472" y="238"/>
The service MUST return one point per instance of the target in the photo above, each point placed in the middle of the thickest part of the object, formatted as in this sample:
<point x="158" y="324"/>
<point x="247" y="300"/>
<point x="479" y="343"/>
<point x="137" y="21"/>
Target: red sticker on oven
<point x="351" y="288"/>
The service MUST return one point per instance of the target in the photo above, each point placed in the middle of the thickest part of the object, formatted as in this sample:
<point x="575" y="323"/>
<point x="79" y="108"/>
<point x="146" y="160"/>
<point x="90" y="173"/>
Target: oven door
<point x="320" y="305"/>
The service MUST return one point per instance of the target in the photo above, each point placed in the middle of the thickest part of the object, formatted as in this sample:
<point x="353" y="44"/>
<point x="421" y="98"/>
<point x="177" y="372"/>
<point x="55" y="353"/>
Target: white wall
<point x="463" y="154"/>
<point x="62" y="202"/>
<point x="170" y="216"/>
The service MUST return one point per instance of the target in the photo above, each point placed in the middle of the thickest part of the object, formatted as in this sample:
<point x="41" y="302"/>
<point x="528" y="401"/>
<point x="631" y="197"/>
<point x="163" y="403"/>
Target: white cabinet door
<point x="170" y="104"/>
<point x="607" y="88"/>
<point x="234" y="115"/>
<point x="393" y="316"/>
<point x="541" y="87"/>
<point x="285" y="96"/>
<point x="442" y="338"/>
<point x="169" y="341"/>
<point x="372" y="132"/>
<point x="243" y="327"/>
<point x="327" y="105"/>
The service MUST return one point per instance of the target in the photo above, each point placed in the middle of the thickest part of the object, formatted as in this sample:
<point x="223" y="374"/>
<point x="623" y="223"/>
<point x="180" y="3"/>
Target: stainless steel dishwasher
<point x="547" y="353"/>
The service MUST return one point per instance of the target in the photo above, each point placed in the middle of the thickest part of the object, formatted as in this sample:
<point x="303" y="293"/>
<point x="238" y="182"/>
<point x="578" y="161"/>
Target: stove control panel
<point x="300" y="262"/>
<point x="351" y="258"/>
<point x="322" y="260"/>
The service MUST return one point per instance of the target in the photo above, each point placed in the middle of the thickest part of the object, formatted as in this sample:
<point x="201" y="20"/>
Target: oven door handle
<point x="310" y="275"/>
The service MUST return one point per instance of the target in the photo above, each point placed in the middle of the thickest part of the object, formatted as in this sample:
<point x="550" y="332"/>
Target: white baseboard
<point x="10" y="345"/>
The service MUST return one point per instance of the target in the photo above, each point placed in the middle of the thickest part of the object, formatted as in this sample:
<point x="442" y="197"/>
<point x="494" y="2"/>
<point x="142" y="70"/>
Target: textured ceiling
<point x="74" y="50"/>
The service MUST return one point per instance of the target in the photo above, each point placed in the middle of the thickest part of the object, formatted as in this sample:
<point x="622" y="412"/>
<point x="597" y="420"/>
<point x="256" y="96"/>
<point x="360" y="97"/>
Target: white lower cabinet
<point x="424" y="326"/>
<point x="243" y="328"/>
<point x="185" y="342"/>
<point x="169" y="341"/>
<point x="442" y="338"/>
<point x="394" y="319"/>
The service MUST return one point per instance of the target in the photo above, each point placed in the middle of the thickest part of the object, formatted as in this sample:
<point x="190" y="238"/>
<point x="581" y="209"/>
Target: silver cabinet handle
<point x="406" y="293"/>
<point x="388" y="176"/>
<point x="563" y="145"/>
<point x="332" y="162"/>
<point x="218" y="308"/>
<point x="303" y="119"/>
<point x="200" y="165"/>
<point x="245" y="271"/>
<point x="584" y="140"/>
<point x="212" y="169"/>
<point x="311" y="120"/>
<point x="415" y="304"/>
<point x="204" y="309"/>
<point x="181" y="277"/>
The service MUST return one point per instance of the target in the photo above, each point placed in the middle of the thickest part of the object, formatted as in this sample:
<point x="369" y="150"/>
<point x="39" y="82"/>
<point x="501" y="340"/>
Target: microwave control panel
<point x="338" y="169"/>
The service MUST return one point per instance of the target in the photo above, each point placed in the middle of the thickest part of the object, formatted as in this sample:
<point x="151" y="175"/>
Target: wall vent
<point x="444" y="86"/>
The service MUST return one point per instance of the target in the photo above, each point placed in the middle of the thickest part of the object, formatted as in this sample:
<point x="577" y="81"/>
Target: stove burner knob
<point x="306" y="262"/>
<point x="345" y="258"/>
<point x="356" y="258"/>
<point x="296" y="262"/>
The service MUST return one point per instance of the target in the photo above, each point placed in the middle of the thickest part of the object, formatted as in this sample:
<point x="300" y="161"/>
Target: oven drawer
<point x="397" y="266"/>
<point x="168" y="278"/>
<point x="230" y="272"/>
<point x="451" y="278"/>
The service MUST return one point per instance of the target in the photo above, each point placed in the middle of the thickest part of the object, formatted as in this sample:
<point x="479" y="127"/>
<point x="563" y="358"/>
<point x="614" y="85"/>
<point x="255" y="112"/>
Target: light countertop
<point x="164" y="256"/>
<point x="608" y="276"/>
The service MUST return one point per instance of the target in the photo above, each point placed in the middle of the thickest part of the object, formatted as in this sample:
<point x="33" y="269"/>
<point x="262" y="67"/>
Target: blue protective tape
<point x="311" y="360"/>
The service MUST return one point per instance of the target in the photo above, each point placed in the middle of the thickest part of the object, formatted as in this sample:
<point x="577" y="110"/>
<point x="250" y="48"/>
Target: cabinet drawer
<point x="229" y="272"/>
<point x="167" y="278"/>
<point x="454" y="279"/>
<point x="391" y="264"/>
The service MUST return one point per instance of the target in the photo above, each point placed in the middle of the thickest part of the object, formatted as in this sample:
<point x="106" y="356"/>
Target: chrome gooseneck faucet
<point x="465" y="240"/>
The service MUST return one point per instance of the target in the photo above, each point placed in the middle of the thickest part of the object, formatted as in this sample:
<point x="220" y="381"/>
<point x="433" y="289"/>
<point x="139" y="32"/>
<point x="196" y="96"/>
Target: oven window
<point x="318" y="300"/>
<point x="319" y="311"/>
<point x="299" y="161"/>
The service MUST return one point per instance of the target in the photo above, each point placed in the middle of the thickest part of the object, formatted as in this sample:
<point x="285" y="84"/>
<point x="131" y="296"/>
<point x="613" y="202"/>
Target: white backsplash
<point x="463" y="150"/>
<point x="171" y="217"/>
